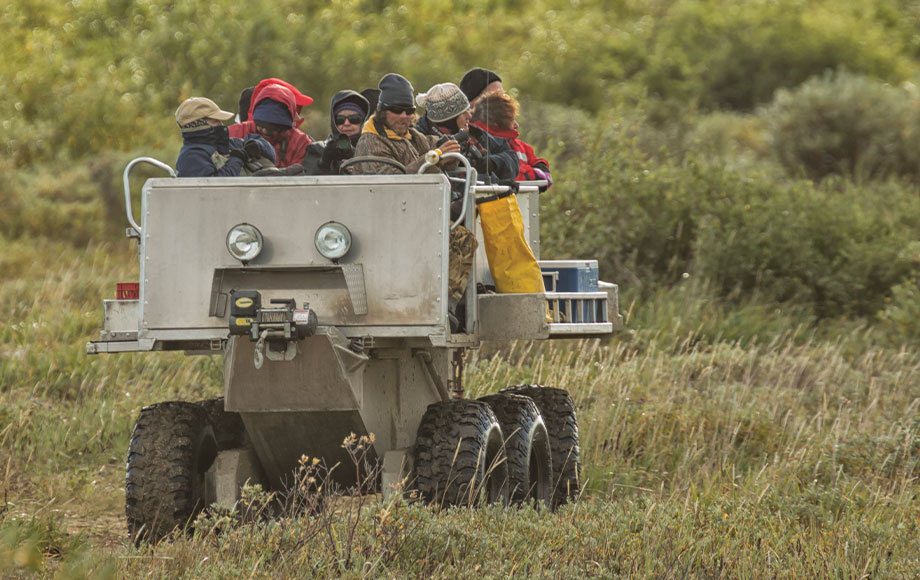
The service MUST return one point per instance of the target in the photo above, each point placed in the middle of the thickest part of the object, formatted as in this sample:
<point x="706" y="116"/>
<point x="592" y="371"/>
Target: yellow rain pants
<point x="511" y="261"/>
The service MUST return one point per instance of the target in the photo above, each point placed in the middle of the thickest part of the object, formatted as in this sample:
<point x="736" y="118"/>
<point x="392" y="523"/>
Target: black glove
<point x="480" y="164"/>
<point x="337" y="150"/>
<point x="241" y="154"/>
<point x="252" y="149"/>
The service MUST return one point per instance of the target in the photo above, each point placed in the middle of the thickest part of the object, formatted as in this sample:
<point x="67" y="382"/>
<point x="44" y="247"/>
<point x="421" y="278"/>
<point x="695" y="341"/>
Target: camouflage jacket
<point x="409" y="150"/>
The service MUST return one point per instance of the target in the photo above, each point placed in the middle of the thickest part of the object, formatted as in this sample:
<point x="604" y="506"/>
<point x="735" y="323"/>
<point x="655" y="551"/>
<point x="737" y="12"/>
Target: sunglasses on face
<point x="353" y="119"/>
<point x="269" y="129"/>
<point x="401" y="110"/>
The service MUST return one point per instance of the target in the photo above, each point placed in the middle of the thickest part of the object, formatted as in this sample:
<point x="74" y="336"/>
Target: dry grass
<point x="796" y="457"/>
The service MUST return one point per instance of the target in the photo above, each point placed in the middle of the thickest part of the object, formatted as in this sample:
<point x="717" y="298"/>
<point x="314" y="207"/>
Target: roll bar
<point x="151" y="161"/>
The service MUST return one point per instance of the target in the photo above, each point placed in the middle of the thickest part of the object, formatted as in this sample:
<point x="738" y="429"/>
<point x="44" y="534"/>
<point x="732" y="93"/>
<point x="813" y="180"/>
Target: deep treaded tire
<point x="172" y="446"/>
<point x="558" y="412"/>
<point x="460" y="455"/>
<point x="228" y="427"/>
<point x="530" y="469"/>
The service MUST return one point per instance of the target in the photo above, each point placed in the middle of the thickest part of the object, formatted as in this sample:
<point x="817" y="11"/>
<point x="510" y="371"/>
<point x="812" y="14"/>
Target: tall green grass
<point x="792" y="450"/>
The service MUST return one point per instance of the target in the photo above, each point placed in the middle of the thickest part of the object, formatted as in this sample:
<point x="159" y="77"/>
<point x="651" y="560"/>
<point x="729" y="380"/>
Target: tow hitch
<point x="275" y="330"/>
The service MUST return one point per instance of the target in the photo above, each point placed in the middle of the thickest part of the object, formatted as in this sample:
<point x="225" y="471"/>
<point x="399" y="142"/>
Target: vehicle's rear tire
<point x="172" y="447"/>
<point x="530" y="469"/>
<point x="460" y="455"/>
<point x="228" y="426"/>
<point x="558" y="412"/>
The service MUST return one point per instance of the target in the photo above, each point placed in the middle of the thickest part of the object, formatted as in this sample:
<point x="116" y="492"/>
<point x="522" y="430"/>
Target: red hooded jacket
<point x="291" y="145"/>
<point x="527" y="159"/>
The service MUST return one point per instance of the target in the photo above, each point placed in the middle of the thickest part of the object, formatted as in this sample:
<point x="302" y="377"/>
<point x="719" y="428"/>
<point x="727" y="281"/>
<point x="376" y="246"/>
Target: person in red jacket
<point x="496" y="113"/>
<point x="274" y="113"/>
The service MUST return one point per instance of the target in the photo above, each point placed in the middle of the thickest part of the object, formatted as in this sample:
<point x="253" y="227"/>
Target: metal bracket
<point x="354" y="280"/>
<point x="456" y="380"/>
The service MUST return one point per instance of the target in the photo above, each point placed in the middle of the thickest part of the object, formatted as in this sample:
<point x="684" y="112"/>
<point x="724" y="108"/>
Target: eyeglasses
<point x="401" y="110"/>
<point x="353" y="119"/>
<point x="270" y="129"/>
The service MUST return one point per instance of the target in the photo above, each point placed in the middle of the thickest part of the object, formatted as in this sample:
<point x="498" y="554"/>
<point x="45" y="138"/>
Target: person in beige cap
<point x="207" y="149"/>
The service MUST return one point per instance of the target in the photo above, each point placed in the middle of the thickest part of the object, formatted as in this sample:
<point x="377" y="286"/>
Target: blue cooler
<point x="569" y="275"/>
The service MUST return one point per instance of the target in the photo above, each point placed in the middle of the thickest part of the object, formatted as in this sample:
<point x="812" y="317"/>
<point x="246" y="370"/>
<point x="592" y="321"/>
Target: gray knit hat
<point x="443" y="102"/>
<point x="395" y="91"/>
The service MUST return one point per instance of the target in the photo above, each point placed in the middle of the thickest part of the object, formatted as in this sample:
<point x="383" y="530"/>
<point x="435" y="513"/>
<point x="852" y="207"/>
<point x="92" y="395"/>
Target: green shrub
<point x="736" y="56"/>
<point x="833" y="248"/>
<point x="900" y="317"/>
<point x="835" y="251"/>
<point x="846" y="124"/>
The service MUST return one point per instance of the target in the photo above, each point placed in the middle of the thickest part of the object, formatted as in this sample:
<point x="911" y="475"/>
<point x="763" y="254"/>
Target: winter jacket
<point x="379" y="141"/>
<point x="300" y="99"/>
<point x="498" y="158"/>
<point x="291" y="145"/>
<point x="530" y="167"/>
<point x="325" y="158"/>
<point x="206" y="153"/>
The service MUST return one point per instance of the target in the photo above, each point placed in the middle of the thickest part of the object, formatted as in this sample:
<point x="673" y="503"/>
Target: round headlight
<point x="333" y="240"/>
<point x="244" y="241"/>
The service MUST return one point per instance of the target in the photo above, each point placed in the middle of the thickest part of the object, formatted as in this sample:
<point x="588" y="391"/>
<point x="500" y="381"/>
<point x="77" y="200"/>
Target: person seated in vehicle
<point x="388" y="133"/>
<point x="497" y="114"/>
<point x="372" y="94"/>
<point x="274" y="114"/>
<point x="512" y="263"/>
<point x="447" y="115"/>
<point x="347" y="111"/>
<point x="478" y="82"/>
<point x="207" y="148"/>
<point x="242" y="113"/>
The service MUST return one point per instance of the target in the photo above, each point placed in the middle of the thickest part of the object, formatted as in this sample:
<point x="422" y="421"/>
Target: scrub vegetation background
<point x="748" y="172"/>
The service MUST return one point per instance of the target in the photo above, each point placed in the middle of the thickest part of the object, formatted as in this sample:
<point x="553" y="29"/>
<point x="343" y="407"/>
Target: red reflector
<point x="127" y="290"/>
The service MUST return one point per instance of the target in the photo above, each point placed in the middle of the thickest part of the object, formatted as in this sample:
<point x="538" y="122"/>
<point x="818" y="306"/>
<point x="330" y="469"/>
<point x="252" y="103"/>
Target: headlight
<point x="244" y="241"/>
<point x="333" y="240"/>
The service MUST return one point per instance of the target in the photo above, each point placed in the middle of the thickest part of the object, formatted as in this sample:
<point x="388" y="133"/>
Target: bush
<point x="846" y="124"/>
<point x="832" y="248"/>
<point x="737" y="56"/>
<point x="836" y="251"/>
<point x="900" y="317"/>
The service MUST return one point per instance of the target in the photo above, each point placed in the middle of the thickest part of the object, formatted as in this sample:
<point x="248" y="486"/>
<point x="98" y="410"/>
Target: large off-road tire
<point x="228" y="426"/>
<point x="460" y="455"/>
<point x="172" y="447"/>
<point x="558" y="412"/>
<point x="530" y="469"/>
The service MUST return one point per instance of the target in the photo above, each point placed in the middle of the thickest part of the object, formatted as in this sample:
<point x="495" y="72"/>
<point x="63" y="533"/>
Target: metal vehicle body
<point x="316" y="348"/>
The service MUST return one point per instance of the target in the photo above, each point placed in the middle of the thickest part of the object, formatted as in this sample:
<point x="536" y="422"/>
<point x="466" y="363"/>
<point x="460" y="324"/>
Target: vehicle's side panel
<point x="186" y="270"/>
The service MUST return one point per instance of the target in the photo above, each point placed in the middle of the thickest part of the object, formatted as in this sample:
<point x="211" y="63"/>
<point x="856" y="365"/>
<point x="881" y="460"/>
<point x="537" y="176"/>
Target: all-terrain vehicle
<point x="327" y="299"/>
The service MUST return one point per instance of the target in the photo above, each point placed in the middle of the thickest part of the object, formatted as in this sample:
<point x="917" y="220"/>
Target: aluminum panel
<point x="399" y="232"/>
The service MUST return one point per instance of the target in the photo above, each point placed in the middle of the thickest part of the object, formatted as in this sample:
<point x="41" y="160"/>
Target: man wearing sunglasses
<point x="347" y="111"/>
<point x="389" y="132"/>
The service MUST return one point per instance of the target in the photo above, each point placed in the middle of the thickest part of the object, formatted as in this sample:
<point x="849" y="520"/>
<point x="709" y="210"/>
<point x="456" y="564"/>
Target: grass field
<point x="790" y="453"/>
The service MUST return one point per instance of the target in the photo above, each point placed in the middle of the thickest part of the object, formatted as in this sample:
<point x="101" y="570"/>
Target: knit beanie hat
<point x="395" y="91"/>
<point x="372" y="95"/>
<point x="348" y="107"/>
<point x="476" y="80"/>
<point x="443" y="102"/>
<point x="245" y="101"/>
<point x="191" y="114"/>
<point x="270" y="111"/>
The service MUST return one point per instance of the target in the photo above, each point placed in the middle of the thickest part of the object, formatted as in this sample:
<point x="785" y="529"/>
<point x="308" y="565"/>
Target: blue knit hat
<point x="269" y="111"/>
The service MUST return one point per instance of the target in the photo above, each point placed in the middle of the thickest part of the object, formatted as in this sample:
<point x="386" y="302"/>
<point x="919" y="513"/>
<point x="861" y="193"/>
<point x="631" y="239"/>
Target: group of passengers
<point x="476" y="118"/>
